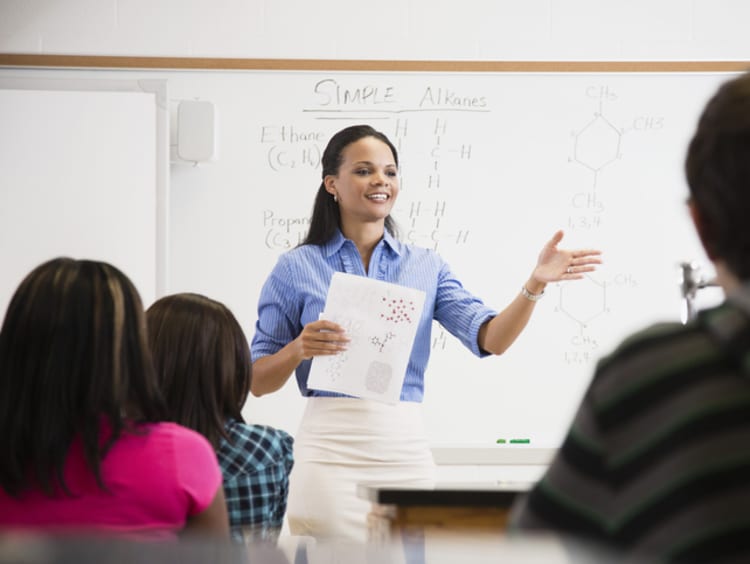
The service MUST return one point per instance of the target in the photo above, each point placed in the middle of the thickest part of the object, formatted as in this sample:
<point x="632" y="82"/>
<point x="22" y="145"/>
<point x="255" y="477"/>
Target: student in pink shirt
<point x="83" y="445"/>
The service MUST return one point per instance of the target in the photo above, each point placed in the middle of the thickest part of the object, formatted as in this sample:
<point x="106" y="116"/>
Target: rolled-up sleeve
<point x="459" y="311"/>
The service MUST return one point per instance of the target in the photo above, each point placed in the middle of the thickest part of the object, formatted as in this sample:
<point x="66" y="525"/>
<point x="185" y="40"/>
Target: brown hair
<point x="718" y="174"/>
<point x="202" y="360"/>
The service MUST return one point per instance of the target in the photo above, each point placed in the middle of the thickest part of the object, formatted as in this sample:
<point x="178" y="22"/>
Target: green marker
<point x="520" y="441"/>
<point x="500" y="441"/>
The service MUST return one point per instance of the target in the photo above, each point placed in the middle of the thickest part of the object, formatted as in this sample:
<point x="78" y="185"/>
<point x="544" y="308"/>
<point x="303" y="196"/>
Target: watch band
<point x="529" y="296"/>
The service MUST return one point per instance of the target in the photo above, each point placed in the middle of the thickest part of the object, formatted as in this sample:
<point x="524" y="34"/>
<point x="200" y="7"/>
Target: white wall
<point x="393" y="29"/>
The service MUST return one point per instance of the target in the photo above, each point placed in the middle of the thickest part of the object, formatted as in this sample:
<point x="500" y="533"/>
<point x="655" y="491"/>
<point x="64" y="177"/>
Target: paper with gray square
<point x="381" y="319"/>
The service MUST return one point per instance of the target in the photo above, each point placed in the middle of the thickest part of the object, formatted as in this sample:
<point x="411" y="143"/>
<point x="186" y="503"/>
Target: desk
<point x="448" y="507"/>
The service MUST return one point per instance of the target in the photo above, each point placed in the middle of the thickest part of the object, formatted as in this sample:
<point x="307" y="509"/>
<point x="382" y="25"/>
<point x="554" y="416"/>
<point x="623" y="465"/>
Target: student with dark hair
<point x="83" y="444"/>
<point x="344" y="441"/>
<point x="655" y="461"/>
<point x="202" y="360"/>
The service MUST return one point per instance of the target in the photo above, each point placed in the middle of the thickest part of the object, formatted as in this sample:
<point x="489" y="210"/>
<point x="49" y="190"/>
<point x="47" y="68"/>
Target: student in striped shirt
<point x="655" y="462"/>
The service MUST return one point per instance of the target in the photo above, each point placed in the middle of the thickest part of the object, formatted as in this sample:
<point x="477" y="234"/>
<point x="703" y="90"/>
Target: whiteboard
<point x="83" y="173"/>
<point x="492" y="165"/>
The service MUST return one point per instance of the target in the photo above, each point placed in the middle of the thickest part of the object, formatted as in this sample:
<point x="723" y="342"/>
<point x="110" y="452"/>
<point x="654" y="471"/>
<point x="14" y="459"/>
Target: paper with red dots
<point x="381" y="319"/>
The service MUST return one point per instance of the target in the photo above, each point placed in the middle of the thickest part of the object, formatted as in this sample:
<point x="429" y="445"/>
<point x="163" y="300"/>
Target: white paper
<point x="381" y="319"/>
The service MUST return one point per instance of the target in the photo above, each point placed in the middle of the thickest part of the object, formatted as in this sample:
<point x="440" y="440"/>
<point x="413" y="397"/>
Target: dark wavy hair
<point x="717" y="168"/>
<point x="326" y="218"/>
<point x="73" y="355"/>
<point x="202" y="360"/>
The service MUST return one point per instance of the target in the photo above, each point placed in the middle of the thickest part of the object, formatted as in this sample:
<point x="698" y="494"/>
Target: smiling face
<point x="366" y="184"/>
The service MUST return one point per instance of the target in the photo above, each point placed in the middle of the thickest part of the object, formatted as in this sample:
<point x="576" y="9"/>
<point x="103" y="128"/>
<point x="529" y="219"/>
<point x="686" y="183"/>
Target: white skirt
<point x="343" y="442"/>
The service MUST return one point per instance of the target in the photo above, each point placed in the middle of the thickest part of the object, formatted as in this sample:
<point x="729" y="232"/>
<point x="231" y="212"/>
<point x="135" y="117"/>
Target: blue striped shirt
<point x="295" y="294"/>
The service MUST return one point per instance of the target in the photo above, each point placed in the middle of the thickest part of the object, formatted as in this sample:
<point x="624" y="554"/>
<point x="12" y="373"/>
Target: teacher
<point x="344" y="441"/>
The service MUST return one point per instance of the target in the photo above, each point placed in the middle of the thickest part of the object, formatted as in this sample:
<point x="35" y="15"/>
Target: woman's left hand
<point x="560" y="264"/>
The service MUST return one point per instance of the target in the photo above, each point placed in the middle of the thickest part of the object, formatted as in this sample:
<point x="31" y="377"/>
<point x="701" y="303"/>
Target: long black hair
<point x="73" y="355"/>
<point x="326" y="218"/>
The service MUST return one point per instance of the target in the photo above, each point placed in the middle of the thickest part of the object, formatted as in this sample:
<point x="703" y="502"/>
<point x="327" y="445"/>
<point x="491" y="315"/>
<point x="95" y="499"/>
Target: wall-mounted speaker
<point x="196" y="131"/>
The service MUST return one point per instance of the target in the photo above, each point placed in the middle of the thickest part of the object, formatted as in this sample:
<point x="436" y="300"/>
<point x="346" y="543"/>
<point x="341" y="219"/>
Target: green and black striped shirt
<point x="657" y="460"/>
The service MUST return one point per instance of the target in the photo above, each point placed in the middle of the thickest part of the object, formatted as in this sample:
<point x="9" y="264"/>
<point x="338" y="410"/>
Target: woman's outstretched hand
<point x="556" y="264"/>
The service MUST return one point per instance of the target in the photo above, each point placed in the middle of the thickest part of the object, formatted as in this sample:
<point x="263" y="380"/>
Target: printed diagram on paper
<point x="381" y="320"/>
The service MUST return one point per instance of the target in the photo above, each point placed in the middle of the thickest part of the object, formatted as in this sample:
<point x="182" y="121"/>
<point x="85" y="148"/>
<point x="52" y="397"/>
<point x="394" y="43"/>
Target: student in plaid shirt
<point x="255" y="463"/>
<point x="203" y="362"/>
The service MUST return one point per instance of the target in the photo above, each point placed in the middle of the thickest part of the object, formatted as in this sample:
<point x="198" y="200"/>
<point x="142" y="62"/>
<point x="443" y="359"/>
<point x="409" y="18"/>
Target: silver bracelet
<point x="529" y="296"/>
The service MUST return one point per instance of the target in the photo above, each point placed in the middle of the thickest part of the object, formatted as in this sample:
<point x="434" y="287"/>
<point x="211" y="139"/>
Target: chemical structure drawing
<point x="337" y="361"/>
<point x="426" y="222"/>
<point x="333" y="370"/>
<point x="583" y="301"/>
<point x="381" y="343"/>
<point x="597" y="144"/>
<point x="436" y="145"/>
<point x="438" y="150"/>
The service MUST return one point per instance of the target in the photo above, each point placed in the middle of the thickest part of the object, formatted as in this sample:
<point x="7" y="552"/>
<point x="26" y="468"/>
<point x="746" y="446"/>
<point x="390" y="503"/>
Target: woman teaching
<point x="343" y="441"/>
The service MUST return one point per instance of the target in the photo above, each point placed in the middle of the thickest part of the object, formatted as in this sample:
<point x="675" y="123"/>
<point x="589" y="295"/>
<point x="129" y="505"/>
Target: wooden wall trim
<point x="197" y="63"/>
